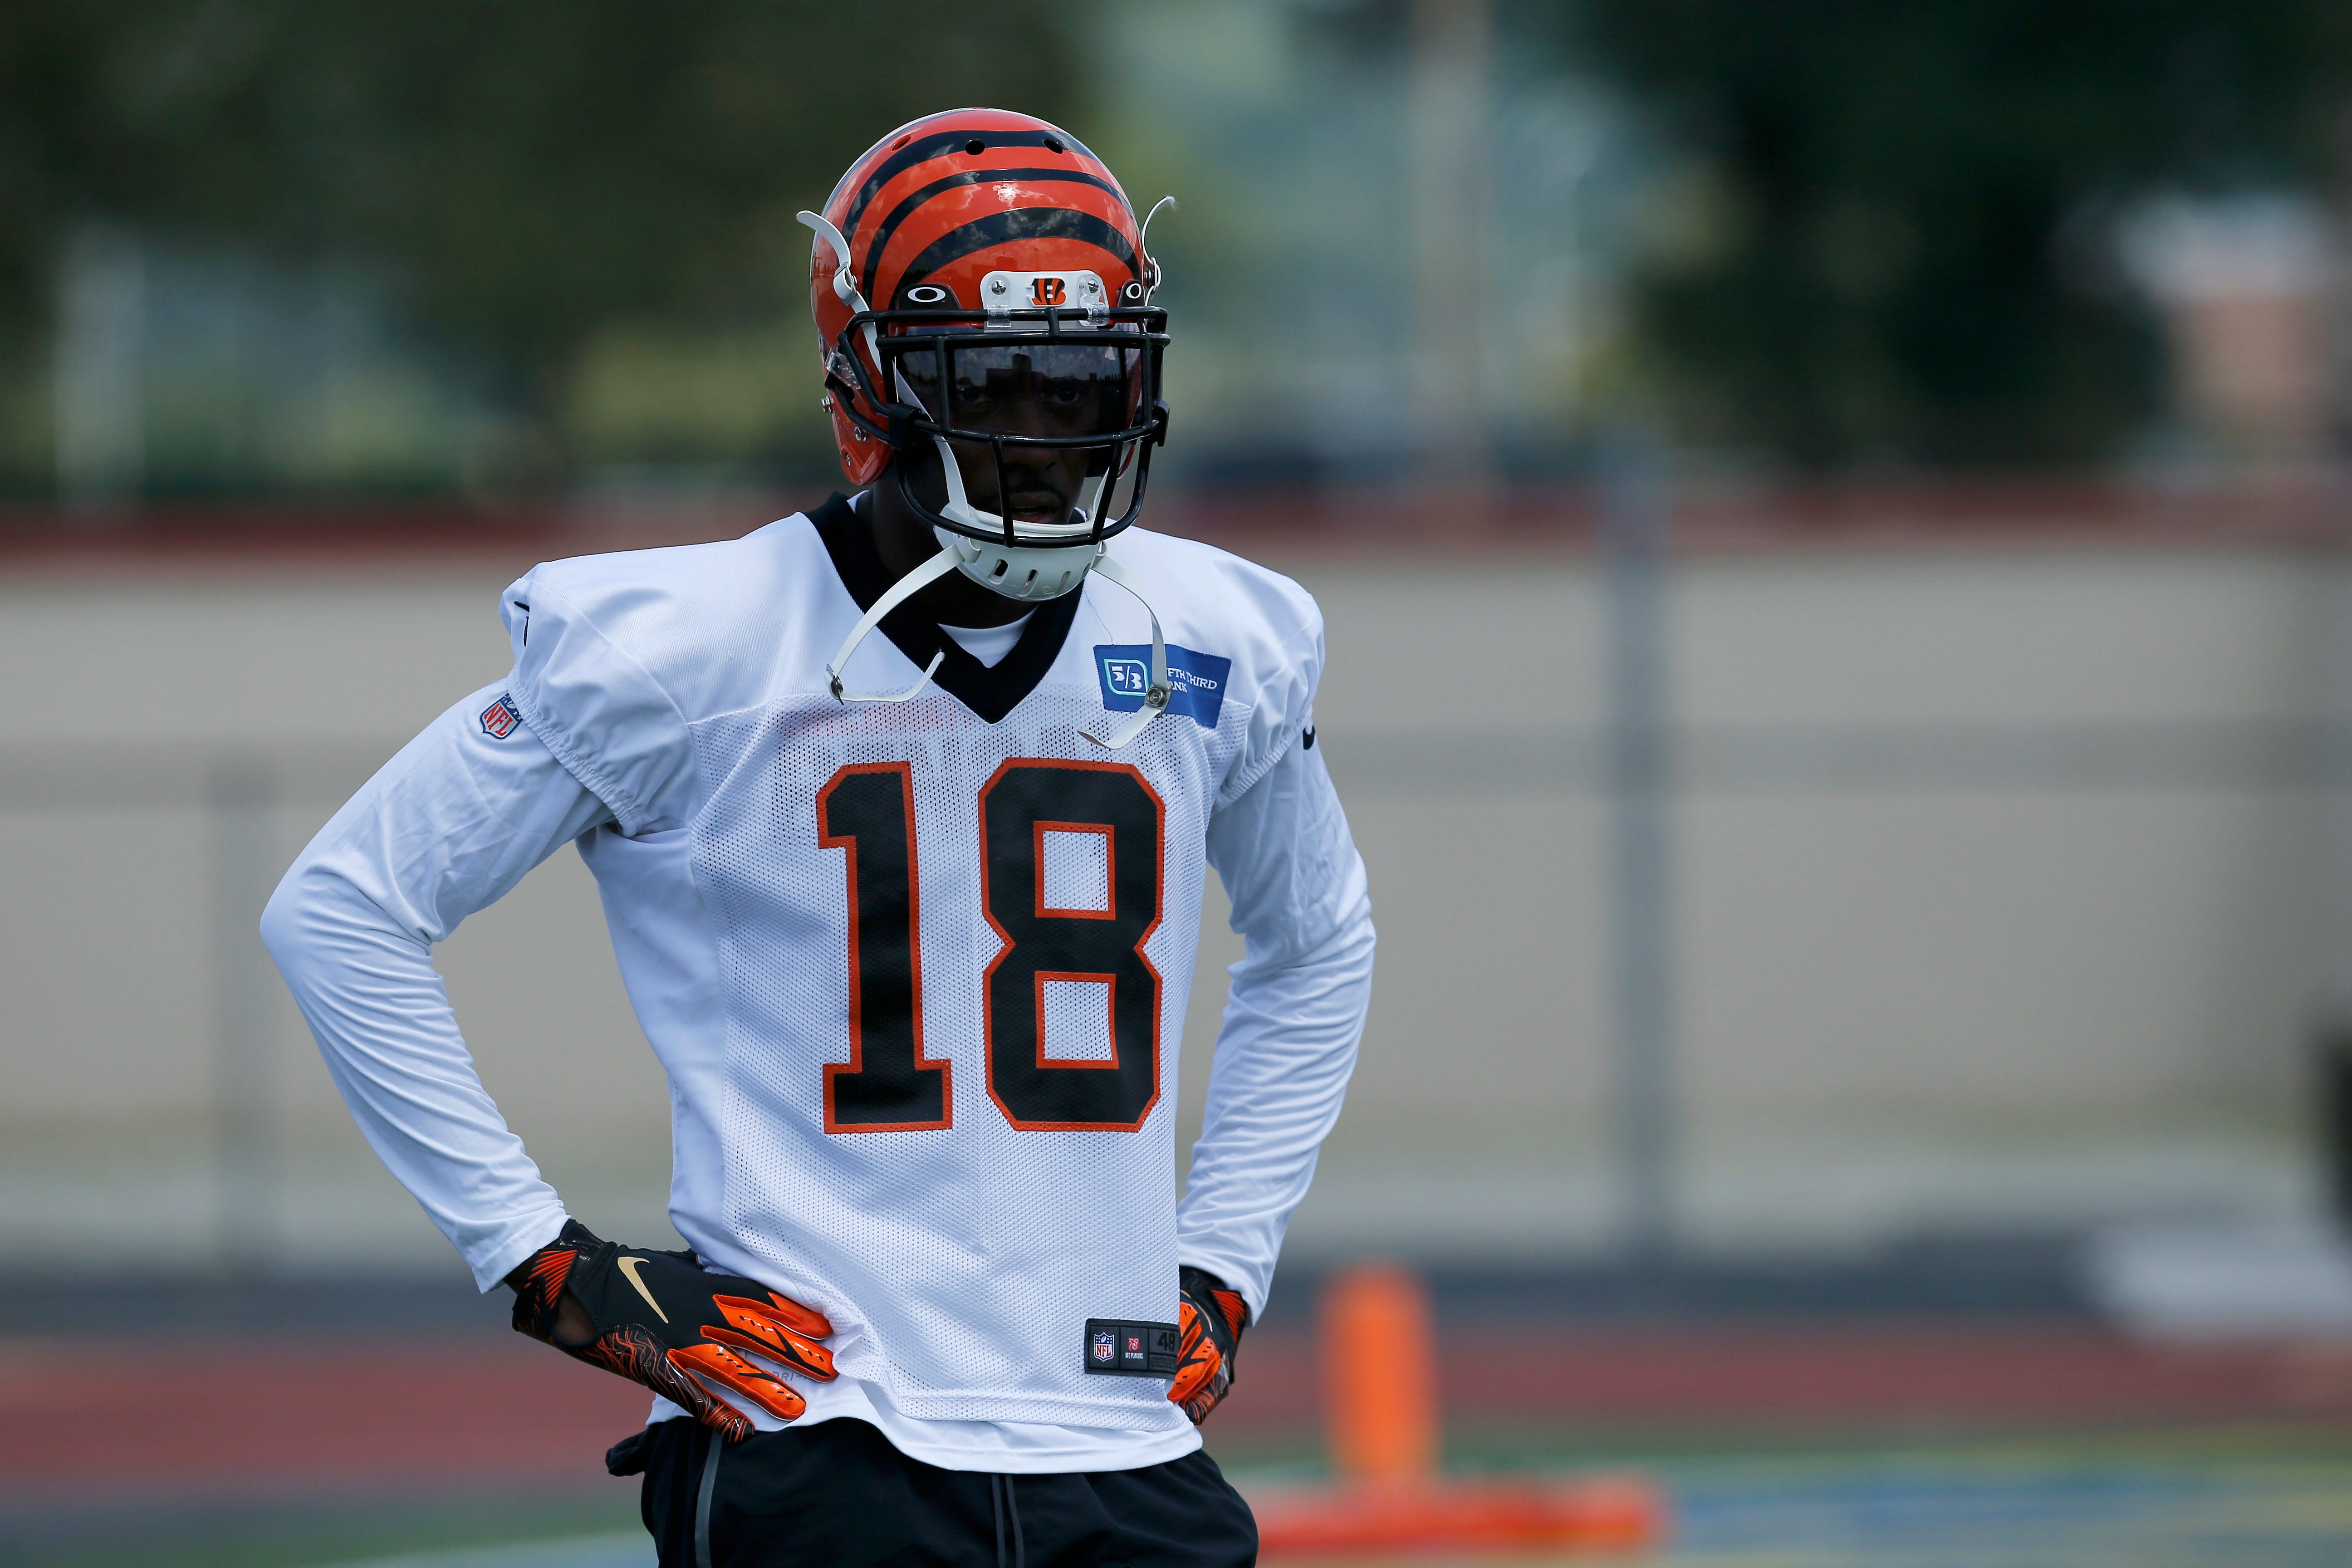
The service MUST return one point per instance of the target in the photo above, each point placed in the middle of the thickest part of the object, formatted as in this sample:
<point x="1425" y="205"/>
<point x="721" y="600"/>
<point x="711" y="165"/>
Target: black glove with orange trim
<point x="662" y="1319"/>
<point x="1209" y="1320"/>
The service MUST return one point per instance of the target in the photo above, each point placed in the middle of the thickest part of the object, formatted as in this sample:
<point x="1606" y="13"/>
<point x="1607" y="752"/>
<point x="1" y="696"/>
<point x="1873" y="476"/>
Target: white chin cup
<point x="1021" y="572"/>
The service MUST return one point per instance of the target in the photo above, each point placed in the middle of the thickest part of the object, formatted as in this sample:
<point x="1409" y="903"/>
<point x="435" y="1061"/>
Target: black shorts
<point x="838" y="1494"/>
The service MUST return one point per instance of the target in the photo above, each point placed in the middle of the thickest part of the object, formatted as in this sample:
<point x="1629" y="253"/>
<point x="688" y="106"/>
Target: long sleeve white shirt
<point x="661" y="715"/>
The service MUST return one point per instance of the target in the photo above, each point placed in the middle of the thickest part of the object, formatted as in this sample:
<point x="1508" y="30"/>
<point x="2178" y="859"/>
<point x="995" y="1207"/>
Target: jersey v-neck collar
<point x="992" y="692"/>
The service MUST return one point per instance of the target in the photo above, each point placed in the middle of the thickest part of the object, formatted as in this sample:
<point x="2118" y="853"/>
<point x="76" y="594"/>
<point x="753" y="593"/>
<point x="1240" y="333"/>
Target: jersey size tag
<point x="1118" y="1347"/>
<point x="1196" y="681"/>
<point x="500" y="719"/>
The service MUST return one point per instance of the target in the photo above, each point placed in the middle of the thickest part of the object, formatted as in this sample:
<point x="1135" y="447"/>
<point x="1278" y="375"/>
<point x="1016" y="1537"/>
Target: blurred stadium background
<point x="1834" y="525"/>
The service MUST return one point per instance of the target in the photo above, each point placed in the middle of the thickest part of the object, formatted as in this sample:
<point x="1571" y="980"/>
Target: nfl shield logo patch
<point x="500" y="720"/>
<point x="1122" y="1349"/>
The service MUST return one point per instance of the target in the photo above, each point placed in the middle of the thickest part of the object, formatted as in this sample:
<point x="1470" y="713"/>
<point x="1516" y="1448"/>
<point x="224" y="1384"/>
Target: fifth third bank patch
<point x="1196" y="681"/>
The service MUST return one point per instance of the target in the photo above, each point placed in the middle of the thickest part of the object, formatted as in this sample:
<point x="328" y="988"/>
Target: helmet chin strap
<point x="1020" y="573"/>
<point x="1155" y="696"/>
<point x="950" y="558"/>
<point x="905" y="588"/>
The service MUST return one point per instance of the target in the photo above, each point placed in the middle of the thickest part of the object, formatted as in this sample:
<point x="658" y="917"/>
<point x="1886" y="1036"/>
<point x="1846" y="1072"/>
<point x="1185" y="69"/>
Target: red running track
<point x="471" y="1411"/>
<point x="316" y="1413"/>
<point x="1714" y="1375"/>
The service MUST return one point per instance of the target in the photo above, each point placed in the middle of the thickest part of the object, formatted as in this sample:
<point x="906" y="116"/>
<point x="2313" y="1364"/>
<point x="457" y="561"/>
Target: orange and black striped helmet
<point x="980" y="231"/>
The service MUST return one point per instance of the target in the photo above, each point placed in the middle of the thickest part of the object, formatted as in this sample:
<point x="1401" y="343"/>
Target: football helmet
<point x="982" y="294"/>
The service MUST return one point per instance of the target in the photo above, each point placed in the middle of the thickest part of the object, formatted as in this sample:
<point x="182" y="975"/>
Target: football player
<point x="900" y="810"/>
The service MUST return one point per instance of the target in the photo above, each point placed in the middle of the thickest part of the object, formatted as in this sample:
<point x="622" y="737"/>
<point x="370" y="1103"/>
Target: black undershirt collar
<point x="992" y="692"/>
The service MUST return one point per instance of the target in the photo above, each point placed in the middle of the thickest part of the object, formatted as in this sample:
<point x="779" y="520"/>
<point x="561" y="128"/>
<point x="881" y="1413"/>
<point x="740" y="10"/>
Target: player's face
<point x="1056" y="391"/>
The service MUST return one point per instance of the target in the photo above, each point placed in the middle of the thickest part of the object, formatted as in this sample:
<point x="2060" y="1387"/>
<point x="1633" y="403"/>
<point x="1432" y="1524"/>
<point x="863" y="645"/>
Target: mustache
<point x="1026" y="487"/>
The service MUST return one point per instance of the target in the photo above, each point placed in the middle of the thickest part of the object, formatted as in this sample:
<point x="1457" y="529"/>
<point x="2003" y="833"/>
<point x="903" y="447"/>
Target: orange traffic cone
<point x="1380" y="1380"/>
<point x="1379" y="1376"/>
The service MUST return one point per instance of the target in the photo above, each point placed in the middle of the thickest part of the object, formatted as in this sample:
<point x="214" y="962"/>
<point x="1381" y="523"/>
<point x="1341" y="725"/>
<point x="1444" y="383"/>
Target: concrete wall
<point x="2004" y="881"/>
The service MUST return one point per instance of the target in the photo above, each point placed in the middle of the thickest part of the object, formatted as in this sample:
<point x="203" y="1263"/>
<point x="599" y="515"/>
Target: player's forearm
<point x="1291" y="1025"/>
<point x="383" y="1025"/>
<point x="1283" y="1057"/>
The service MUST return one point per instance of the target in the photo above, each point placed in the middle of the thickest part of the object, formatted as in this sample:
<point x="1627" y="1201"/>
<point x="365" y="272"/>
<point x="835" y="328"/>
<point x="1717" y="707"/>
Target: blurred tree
<point x="1896" y="246"/>
<point x="534" y="171"/>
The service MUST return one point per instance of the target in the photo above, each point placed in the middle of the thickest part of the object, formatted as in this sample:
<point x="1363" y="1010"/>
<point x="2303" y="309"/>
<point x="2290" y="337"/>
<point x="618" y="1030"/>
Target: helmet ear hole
<point x="975" y="147"/>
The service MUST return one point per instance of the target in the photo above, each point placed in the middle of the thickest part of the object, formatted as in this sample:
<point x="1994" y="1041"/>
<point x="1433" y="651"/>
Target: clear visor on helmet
<point x="1065" y="391"/>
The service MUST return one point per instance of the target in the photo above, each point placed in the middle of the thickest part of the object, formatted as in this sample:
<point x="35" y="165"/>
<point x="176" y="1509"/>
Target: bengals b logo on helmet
<point x="1044" y="292"/>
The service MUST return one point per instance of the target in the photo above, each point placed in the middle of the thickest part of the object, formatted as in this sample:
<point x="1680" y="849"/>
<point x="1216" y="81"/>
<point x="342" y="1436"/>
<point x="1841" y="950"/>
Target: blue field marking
<point x="1893" y="1510"/>
<point x="634" y="1549"/>
<point x="1941" y="1513"/>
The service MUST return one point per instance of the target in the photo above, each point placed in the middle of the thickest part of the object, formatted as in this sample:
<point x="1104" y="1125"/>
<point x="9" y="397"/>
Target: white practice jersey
<point x="916" y="971"/>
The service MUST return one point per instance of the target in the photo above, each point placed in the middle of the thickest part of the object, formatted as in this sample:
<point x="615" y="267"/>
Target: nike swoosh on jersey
<point x="629" y="1266"/>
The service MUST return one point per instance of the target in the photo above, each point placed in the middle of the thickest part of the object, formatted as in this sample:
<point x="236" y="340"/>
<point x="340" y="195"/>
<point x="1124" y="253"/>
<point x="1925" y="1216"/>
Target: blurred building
<point x="201" y="370"/>
<point x="1396" y="255"/>
<point x="1401" y="230"/>
<point x="2251" y="293"/>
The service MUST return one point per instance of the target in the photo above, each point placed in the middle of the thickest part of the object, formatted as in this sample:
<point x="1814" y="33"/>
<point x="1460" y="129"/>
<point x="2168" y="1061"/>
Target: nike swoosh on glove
<point x="663" y="1319"/>
<point x="1209" y="1320"/>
